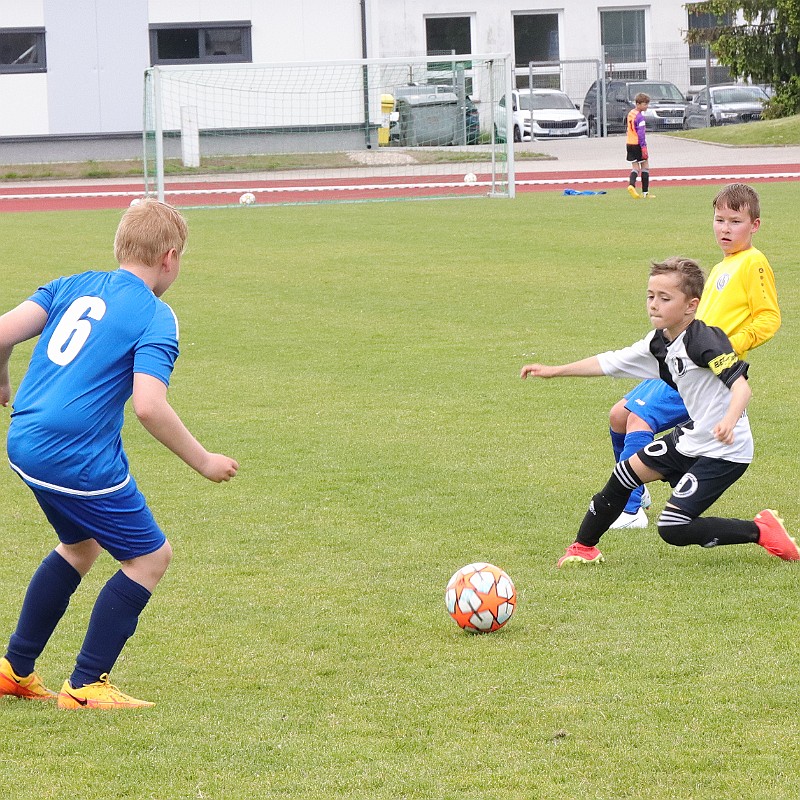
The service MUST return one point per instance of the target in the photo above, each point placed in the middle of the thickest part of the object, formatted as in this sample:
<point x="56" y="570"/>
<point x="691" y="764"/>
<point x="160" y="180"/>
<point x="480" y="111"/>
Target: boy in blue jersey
<point x="104" y="337"/>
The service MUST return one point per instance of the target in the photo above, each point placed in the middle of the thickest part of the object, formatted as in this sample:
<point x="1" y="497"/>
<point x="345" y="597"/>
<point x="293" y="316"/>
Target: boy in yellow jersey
<point x="739" y="297"/>
<point x="636" y="144"/>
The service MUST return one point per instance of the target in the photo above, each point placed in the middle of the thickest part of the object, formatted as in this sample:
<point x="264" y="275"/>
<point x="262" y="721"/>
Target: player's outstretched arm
<point x="18" y="325"/>
<point x="160" y="420"/>
<point x="586" y="368"/>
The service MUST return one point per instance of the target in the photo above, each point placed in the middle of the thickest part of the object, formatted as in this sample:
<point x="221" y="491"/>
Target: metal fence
<point x="689" y="68"/>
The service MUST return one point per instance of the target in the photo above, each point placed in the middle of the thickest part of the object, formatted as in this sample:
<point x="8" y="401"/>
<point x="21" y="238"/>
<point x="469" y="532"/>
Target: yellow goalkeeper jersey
<point x="740" y="297"/>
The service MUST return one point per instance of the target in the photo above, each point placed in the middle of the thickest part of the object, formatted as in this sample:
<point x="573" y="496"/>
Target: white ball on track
<point x="247" y="199"/>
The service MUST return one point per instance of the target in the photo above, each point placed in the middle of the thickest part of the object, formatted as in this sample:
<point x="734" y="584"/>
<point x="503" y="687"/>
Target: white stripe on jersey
<point x="66" y="490"/>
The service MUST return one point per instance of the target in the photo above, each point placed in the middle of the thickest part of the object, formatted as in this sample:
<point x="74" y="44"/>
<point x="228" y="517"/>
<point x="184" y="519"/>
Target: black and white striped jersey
<point x="702" y="366"/>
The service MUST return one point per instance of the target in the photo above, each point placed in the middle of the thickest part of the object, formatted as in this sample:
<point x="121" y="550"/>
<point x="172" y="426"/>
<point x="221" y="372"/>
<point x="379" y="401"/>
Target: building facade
<point x="76" y="69"/>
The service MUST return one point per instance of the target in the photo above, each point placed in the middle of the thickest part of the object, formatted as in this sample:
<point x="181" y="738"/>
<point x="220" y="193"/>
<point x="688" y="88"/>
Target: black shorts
<point x="697" y="482"/>
<point x="635" y="153"/>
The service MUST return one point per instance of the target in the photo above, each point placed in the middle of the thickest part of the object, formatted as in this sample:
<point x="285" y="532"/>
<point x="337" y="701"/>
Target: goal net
<point x="316" y="132"/>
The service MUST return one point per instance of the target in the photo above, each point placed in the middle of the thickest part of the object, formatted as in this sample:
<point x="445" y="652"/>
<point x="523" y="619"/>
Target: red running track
<point x="63" y="196"/>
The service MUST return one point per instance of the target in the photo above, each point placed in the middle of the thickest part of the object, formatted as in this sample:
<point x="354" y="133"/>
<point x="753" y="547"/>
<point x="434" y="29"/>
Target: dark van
<point x="666" y="110"/>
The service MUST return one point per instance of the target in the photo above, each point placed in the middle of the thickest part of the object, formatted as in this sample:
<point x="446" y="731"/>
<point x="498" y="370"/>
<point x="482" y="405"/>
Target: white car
<point x="540" y="114"/>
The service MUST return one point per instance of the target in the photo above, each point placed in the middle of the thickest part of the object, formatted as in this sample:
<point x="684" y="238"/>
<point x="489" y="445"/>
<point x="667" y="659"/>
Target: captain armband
<point x="721" y="363"/>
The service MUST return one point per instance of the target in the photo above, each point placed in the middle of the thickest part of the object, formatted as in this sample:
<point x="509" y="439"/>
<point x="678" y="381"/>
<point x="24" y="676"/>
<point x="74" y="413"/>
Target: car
<point x="665" y="111"/>
<point x="726" y="104"/>
<point x="539" y="114"/>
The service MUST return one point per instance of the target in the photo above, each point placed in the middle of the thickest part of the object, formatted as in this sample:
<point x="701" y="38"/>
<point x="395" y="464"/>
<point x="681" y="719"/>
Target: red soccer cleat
<point x="774" y="538"/>
<point x="580" y="554"/>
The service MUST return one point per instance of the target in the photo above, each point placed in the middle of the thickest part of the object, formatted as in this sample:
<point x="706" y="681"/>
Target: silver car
<point x="725" y="105"/>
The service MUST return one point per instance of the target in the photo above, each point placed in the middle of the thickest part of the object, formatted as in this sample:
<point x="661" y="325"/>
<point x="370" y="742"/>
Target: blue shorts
<point x="120" y="523"/>
<point x="658" y="404"/>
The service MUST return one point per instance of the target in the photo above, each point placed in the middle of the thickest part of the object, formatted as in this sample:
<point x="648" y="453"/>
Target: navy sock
<point x="635" y="441"/>
<point x="46" y="600"/>
<point x="113" y="621"/>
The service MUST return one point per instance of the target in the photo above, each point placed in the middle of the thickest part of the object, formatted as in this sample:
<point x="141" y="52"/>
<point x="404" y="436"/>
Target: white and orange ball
<point x="480" y="597"/>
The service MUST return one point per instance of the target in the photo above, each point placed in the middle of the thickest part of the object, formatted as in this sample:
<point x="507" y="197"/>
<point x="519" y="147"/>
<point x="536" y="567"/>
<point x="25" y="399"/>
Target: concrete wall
<point x="97" y="51"/>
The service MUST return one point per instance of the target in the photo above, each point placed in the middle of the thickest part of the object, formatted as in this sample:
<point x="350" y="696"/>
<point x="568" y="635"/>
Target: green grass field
<point x="361" y="361"/>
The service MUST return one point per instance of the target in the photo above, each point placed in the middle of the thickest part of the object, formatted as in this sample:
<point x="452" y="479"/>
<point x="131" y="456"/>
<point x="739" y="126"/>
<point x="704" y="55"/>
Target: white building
<point x="75" y="69"/>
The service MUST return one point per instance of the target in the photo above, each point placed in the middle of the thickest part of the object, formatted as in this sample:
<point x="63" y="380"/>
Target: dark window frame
<point x="41" y="52"/>
<point x="245" y="57"/>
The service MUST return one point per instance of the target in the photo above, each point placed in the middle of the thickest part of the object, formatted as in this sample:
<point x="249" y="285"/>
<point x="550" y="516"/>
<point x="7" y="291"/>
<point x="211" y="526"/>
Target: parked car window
<point x="738" y="95"/>
<point x="657" y="91"/>
<point x="536" y="102"/>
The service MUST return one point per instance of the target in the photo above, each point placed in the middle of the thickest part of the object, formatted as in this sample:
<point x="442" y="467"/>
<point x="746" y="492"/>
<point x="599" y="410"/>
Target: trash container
<point x="428" y="119"/>
<point x="387" y="109"/>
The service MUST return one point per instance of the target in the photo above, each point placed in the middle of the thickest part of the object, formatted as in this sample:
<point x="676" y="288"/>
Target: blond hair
<point x="688" y="271"/>
<point x="147" y="231"/>
<point x="738" y="197"/>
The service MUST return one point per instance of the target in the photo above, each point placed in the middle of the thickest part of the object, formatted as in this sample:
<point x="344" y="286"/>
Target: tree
<point x="763" y="44"/>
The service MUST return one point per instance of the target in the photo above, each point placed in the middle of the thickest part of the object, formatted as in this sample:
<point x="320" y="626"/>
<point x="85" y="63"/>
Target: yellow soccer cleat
<point x="101" y="694"/>
<point x="632" y="192"/>
<point x="29" y="688"/>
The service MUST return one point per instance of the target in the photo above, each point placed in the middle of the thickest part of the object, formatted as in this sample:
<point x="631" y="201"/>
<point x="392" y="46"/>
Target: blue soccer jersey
<point x="102" y="327"/>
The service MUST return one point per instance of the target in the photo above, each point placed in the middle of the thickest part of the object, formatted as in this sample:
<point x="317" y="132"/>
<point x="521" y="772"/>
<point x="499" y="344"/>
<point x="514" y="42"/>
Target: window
<point x="535" y="38"/>
<point x="701" y="21"/>
<point x="446" y="35"/>
<point x="22" y="50"/>
<point x="622" y="36"/>
<point x="201" y="43"/>
<point x="718" y="74"/>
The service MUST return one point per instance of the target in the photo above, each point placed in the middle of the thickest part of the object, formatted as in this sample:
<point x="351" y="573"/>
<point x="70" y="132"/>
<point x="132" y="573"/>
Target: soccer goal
<point x="316" y="132"/>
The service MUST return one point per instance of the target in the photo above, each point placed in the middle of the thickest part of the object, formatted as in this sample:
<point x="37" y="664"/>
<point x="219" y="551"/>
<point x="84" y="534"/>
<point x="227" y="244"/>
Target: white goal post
<point x="318" y="131"/>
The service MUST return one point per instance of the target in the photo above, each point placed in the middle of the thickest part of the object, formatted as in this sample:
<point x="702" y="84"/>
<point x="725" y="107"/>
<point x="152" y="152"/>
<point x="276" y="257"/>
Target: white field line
<point x="566" y="180"/>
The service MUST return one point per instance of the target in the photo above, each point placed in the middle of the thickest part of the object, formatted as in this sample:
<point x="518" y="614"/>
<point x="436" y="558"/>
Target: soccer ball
<point x="247" y="199"/>
<point x="480" y="598"/>
<point x="470" y="177"/>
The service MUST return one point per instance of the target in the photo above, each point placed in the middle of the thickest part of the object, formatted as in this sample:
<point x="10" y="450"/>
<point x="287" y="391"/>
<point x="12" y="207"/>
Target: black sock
<point x="705" y="531"/>
<point x="607" y="505"/>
